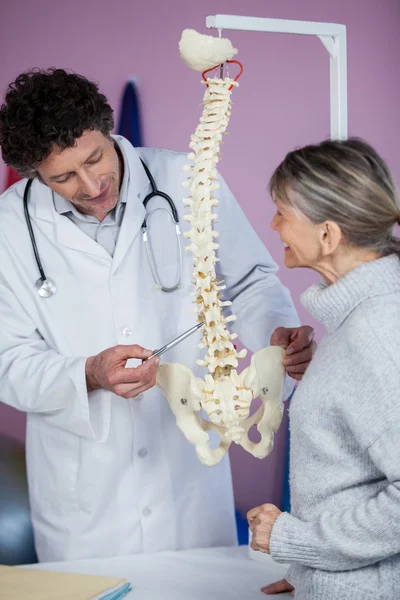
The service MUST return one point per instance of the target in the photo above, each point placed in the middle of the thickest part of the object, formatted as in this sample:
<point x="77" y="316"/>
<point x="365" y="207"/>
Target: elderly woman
<point x="337" y="205"/>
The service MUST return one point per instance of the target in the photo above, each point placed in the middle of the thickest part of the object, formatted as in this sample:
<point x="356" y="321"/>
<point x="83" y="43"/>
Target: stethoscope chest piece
<point x="45" y="287"/>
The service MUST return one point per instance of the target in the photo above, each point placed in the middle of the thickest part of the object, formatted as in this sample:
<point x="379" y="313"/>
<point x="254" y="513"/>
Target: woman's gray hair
<point x="346" y="182"/>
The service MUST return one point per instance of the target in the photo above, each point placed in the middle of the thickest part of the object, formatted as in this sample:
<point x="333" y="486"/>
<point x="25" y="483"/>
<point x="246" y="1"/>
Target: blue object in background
<point x="129" y="121"/>
<point x="242" y="528"/>
<point x="286" y="484"/>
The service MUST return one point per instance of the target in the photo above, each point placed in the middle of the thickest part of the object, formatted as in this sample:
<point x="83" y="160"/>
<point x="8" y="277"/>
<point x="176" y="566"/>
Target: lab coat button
<point x="147" y="512"/>
<point x="127" y="332"/>
<point x="142" y="452"/>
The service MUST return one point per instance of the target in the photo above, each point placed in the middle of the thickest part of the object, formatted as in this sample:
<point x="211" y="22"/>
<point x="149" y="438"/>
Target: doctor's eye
<point x="96" y="160"/>
<point x="64" y="180"/>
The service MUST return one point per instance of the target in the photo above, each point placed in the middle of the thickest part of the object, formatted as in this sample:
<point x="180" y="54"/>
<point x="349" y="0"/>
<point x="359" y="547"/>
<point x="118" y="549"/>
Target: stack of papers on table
<point x="23" y="584"/>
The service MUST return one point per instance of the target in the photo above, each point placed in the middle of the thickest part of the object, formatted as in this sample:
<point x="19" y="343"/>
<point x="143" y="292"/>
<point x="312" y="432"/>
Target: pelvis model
<point x="225" y="395"/>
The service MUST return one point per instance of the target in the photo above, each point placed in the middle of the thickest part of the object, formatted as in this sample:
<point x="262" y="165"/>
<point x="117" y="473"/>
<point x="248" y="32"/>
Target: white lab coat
<point x="109" y="476"/>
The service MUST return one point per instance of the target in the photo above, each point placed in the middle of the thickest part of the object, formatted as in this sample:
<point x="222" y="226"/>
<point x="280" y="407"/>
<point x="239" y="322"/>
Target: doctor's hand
<point x="107" y="371"/>
<point x="299" y="345"/>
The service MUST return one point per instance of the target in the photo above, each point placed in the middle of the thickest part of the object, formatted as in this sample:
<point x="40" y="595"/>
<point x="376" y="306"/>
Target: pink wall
<point x="282" y="103"/>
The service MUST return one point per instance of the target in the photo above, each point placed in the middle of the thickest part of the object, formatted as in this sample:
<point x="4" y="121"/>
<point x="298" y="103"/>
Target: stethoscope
<point x="46" y="286"/>
<point x="173" y="214"/>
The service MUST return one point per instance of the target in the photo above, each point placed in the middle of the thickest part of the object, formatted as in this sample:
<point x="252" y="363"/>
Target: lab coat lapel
<point x="66" y="233"/>
<point x="71" y="236"/>
<point x="135" y="212"/>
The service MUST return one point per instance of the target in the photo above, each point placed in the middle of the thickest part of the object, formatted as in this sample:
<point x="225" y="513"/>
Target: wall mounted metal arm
<point x="332" y="36"/>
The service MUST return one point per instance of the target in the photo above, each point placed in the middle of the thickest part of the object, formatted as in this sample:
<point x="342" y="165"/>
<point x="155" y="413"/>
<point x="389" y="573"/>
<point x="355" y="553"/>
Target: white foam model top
<point x="201" y="52"/>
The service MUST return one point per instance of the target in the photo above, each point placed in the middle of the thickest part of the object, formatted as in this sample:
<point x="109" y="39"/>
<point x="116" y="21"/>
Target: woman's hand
<point x="278" y="587"/>
<point x="261" y="521"/>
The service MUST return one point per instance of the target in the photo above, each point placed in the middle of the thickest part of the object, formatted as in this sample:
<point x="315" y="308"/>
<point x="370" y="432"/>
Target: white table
<point x="209" y="574"/>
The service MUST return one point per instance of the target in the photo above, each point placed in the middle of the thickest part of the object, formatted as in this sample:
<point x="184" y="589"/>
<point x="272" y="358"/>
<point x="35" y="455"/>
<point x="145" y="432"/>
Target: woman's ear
<point x="330" y="237"/>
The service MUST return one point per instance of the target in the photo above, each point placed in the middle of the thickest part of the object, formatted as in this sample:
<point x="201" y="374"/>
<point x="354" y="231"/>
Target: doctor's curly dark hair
<point x="50" y="108"/>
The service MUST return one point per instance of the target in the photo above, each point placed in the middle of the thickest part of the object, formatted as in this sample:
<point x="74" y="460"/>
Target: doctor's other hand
<point x="261" y="521"/>
<point x="107" y="371"/>
<point x="299" y="345"/>
<point x="278" y="587"/>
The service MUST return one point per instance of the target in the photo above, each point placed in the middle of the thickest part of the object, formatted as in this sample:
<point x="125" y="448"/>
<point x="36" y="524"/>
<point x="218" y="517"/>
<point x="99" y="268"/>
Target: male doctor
<point x="109" y="471"/>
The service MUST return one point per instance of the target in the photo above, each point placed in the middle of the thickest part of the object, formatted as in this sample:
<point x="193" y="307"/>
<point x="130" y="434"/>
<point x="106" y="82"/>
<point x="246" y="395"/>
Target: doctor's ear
<point x="330" y="237"/>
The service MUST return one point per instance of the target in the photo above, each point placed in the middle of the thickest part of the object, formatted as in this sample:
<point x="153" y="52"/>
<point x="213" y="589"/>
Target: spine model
<point x="221" y="355"/>
<point x="224" y="394"/>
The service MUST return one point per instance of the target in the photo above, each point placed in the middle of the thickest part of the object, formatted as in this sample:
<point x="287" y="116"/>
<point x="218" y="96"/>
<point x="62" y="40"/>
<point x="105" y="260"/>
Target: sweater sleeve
<point x="356" y="536"/>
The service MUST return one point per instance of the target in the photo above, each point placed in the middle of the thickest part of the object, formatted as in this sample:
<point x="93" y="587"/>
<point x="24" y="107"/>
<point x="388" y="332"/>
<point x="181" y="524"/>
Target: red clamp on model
<point x="217" y="66"/>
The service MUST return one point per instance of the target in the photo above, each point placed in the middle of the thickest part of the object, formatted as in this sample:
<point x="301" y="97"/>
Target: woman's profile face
<point x="299" y="235"/>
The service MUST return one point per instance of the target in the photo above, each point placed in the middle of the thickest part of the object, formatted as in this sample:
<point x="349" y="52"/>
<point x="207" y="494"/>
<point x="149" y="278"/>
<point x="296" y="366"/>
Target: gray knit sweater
<point x="343" y="535"/>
